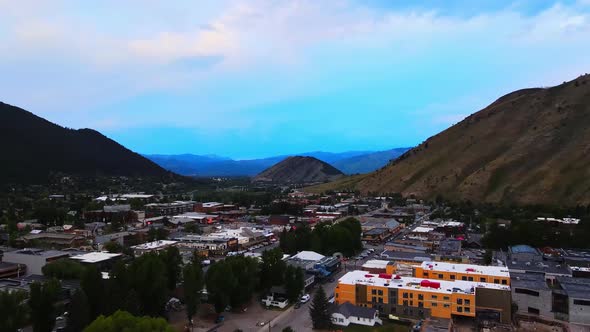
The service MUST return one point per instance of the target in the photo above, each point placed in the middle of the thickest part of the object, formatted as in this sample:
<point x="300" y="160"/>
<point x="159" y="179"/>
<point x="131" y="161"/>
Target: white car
<point x="305" y="298"/>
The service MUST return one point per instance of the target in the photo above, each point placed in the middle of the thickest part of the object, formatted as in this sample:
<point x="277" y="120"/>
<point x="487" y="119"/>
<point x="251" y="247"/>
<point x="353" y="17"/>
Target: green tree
<point x="487" y="257"/>
<point x="220" y="281"/>
<point x="93" y="286"/>
<point x="232" y="281"/>
<point x="272" y="268"/>
<point x="64" y="268"/>
<point x="13" y="310"/>
<point x="319" y="311"/>
<point x="148" y="273"/>
<point x="41" y="301"/>
<point x="288" y="329"/>
<point x="79" y="312"/>
<point x="173" y="260"/>
<point x="122" y="321"/>
<point x="294" y="282"/>
<point x="113" y="247"/>
<point x="193" y="281"/>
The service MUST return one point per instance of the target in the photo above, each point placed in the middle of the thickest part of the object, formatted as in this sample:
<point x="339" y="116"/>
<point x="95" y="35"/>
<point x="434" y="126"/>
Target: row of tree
<point x="326" y="238"/>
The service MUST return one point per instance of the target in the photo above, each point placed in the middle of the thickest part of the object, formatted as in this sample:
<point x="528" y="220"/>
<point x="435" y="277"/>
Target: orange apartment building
<point x="420" y="298"/>
<point x="463" y="272"/>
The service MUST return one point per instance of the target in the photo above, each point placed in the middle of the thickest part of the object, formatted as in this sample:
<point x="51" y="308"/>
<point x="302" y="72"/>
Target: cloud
<point x="217" y="64"/>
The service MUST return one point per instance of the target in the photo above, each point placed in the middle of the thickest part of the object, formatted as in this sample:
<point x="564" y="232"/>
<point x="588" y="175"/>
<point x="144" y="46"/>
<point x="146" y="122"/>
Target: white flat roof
<point x="211" y="204"/>
<point x="308" y="256"/>
<point x="421" y="229"/>
<point x="95" y="257"/>
<point x="154" y="245"/>
<point x="398" y="282"/>
<point x="375" y="264"/>
<point x="500" y="271"/>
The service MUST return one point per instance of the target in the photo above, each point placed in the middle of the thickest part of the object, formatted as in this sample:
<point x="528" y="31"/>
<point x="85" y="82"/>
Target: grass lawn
<point x="386" y="327"/>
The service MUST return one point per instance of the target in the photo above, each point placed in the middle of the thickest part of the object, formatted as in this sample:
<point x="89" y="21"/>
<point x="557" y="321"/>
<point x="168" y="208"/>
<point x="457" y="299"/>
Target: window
<point x="434" y="304"/>
<point x="496" y="281"/>
<point x="467" y="302"/>
<point x="534" y="311"/>
<point x="434" y="297"/>
<point x="380" y="300"/>
<point x="336" y="295"/>
<point x="459" y="309"/>
<point x="467" y="309"/>
<point x="446" y="298"/>
<point x="453" y="277"/>
<point x="526" y="291"/>
<point x="459" y="301"/>
<point x="582" y="302"/>
<point x="482" y="279"/>
<point x="379" y="292"/>
<point x="406" y="303"/>
<point x="470" y="278"/>
<point x="464" y="278"/>
<point x="374" y="299"/>
<point x="446" y="305"/>
<point x="425" y="274"/>
<point x="420" y="305"/>
<point x="420" y="297"/>
<point x="504" y="282"/>
<point x="374" y="291"/>
<point x="440" y="276"/>
<point x="411" y="295"/>
<point x="411" y="303"/>
<point x="405" y="295"/>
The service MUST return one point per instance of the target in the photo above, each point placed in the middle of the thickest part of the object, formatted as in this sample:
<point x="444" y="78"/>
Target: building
<point x="51" y="239"/>
<point x="314" y="263"/>
<point x="464" y="272"/>
<point x="347" y="313"/>
<point x="531" y="294"/>
<point x="12" y="270"/>
<point x="403" y="247"/>
<point x="169" y="209"/>
<point x="571" y="299"/>
<point x="210" y="207"/>
<point x="34" y="259"/>
<point x="376" y="235"/>
<point x="194" y="217"/>
<point x="155" y="246"/>
<point x="102" y="260"/>
<point x="378" y="266"/>
<point x="420" y="298"/>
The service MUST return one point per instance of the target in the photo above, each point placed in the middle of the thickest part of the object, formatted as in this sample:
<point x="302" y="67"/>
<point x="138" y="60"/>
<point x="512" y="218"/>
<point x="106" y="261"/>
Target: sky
<point x="257" y="78"/>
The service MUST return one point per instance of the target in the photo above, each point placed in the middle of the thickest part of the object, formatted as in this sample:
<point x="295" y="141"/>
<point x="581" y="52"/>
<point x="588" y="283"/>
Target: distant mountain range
<point x="34" y="148"/>
<point x="299" y="170"/>
<point x="530" y="146"/>
<point x="349" y="162"/>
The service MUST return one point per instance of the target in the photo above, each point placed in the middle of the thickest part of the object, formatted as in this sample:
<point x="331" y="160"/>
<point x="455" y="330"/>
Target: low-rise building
<point x="155" y="246"/>
<point x="465" y="272"/>
<point x="348" y="313"/>
<point x="33" y="259"/>
<point x="102" y="260"/>
<point x="419" y="298"/>
<point x="531" y="294"/>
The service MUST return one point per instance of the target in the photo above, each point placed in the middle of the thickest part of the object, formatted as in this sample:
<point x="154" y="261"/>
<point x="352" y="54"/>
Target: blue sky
<point x="257" y="78"/>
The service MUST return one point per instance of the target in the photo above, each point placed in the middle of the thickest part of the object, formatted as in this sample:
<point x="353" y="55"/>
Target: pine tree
<point x="319" y="311"/>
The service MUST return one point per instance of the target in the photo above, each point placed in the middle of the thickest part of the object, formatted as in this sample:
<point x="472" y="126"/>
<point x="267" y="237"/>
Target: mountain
<point x="349" y="162"/>
<point x="34" y="148"/>
<point x="368" y="162"/>
<point x="531" y="146"/>
<point x="212" y="165"/>
<point x="299" y="169"/>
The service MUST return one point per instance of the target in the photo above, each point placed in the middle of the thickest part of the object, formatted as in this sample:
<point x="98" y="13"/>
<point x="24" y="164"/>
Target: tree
<point x="193" y="281"/>
<point x="173" y="260"/>
<point x="294" y="282"/>
<point x="220" y="281"/>
<point x="13" y="310"/>
<point x="288" y="329"/>
<point x="113" y="247"/>
<point x="93" y="286"/>
<point x="272" y="268"/>
<point x="148" y="273"/>
<point x="63" y="269"/>
<point x="487" y="257"/>
<point x="319" y="312"/>
<point x="79" y="312"/>
<point x="122" y="321"/>
<point x="41" y="300"/>
<point x="232" y="281"/>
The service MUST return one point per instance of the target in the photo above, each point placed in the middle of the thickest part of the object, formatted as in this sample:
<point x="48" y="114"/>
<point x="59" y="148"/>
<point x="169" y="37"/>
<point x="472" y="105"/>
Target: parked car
<point x="219" y="319"/>
<point x="305" y="298"/>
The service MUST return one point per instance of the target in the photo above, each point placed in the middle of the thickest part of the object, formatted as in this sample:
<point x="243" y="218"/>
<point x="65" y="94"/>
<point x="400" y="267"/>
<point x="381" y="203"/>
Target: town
<point x="296" y="261"/>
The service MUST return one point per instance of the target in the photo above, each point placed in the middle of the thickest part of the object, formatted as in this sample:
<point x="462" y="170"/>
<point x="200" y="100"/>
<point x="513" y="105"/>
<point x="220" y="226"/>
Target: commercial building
<point x="102" y="260"/>
<point x="463" y="272"/>
<point x="169" y="209"/>
<point x="34" y="259"/>
<point x="314" y="263"/>
<point x="51" y="239"/>
<point x="419" y="298"/>
<point x="531" y="294"/>
<point x="155" y="246"/>
<point x="12" y="270"/>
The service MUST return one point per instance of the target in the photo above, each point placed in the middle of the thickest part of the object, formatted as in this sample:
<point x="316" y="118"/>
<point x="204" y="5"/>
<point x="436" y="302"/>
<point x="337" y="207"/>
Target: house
<point x="277" y="297"/>
<point x="56" y="240"/>
<point x="347" y="313"/>
<point x="155" y="246"/>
